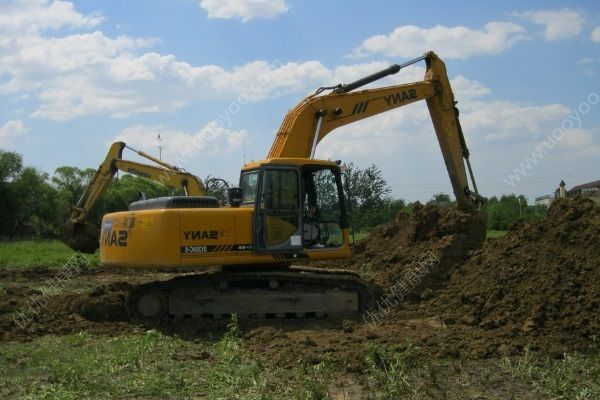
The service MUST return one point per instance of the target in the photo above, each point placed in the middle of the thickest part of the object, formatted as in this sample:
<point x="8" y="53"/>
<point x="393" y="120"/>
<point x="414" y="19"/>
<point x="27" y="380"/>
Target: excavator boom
<point x="319" y="114"/>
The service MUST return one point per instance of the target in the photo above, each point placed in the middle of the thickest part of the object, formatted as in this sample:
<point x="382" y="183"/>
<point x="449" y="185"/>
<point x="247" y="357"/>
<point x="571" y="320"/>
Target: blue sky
<point x="216" y="78"/>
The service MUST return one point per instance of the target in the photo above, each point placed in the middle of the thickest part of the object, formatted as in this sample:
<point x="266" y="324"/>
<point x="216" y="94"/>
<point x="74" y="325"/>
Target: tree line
<point x="34" y="204"/>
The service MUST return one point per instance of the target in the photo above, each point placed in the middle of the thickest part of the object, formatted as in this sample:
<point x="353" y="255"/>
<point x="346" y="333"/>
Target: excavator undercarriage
<point x="292" y="292"/>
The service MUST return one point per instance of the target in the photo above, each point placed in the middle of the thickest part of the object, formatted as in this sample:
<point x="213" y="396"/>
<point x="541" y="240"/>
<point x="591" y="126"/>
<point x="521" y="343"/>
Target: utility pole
<point x="160" y="146"/>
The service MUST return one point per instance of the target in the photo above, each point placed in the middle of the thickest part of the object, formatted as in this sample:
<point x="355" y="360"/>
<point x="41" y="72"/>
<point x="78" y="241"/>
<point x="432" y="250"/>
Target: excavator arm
<point x="164" y="173"/>
<point x="317" y="115"/>
<point x="83" y="236"/>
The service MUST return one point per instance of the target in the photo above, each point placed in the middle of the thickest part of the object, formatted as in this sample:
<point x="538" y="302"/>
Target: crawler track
<point x="294" y="292"/>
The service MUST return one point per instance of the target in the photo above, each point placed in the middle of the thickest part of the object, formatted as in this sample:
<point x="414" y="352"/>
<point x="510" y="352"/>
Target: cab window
<point x="249" y="183"/>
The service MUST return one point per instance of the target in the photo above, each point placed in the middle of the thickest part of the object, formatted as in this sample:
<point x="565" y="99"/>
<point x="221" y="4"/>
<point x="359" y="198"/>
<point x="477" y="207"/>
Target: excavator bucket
<point x="83" y="237"/>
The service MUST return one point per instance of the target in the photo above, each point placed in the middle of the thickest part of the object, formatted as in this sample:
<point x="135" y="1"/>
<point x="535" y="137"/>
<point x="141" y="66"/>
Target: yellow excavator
<point x="288" y="207"/>
<point x="82" y="236"/>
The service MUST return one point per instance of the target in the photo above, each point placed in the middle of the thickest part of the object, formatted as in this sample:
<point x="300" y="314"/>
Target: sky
<point x="215" y="79"/>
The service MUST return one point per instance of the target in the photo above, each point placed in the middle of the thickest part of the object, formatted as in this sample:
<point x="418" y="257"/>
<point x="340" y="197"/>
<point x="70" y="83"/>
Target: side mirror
<point x="234" y="196"/>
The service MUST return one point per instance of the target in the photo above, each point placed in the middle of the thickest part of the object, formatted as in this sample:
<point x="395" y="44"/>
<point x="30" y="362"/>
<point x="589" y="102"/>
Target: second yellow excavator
<point x="287" y="207"/>
<point x="83" y="236"/>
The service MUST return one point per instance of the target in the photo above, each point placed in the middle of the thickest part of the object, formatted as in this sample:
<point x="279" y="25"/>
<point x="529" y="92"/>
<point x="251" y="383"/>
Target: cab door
<point x="278" y="211"/>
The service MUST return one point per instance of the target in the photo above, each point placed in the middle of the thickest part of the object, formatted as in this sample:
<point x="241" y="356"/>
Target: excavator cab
<point x="298" y="206"/>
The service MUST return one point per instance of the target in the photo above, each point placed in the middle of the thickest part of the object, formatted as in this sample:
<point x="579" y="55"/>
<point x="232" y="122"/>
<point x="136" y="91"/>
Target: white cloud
<point x="91" y="73"/>
<point x="244" y="9"/>
<point x="578" y="138"/>
<point x="465" y="89"/>
<point x="558" y="24"/>
<point x="12" y="130"/>
<point x="497" y="120"/>
<point x="41" y="15"/>
<point x="180" y="147"/>
<point x="595" y="35"/>
<point x="449" y="42"/>
<point x="258" y="80"/>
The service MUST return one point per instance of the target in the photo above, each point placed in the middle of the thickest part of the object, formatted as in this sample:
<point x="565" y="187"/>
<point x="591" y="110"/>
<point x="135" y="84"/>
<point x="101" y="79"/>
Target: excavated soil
<point x="536" y="287"/>
<point x="26" y="313"/>
<point x="539" y="286"/>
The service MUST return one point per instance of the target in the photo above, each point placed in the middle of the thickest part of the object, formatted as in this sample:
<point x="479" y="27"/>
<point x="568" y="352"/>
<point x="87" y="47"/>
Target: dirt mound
<point x="26" y="313"/>
<point x="438" y="239"/>
<point x="538" y="286"/>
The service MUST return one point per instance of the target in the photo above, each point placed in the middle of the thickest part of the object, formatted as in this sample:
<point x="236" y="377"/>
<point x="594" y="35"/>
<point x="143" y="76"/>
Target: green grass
<point x="574" y="376"/>
<point x="36" y="254"/>
<point x="156" y="366"/>
<point x="491" y="234"/>
<point x="150" y="366"/>
<point x="389" y="370"/>
<point x="358" y="236"/>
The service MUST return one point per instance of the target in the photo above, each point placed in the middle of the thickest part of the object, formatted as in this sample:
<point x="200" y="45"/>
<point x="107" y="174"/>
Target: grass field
<point x="491" y="234"/>
<point x="156" y="366"/>
<point x="36" y="254"/>
<point x="149" y="365"/>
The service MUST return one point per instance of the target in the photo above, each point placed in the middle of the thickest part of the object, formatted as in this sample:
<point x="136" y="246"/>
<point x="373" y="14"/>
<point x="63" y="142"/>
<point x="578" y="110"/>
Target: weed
<point x="389" y="368"/>
<point x="315" y="380"/>
<point x="574" y="376"/>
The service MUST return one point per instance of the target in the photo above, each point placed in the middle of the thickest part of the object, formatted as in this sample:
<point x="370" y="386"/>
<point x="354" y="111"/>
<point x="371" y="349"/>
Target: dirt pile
<point x="438" y="239"/>
<point x="539" y="285"/>
<point x="26" y="313"/>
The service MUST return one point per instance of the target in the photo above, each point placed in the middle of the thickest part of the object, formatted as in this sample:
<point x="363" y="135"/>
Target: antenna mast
<point x="160" y="146"/>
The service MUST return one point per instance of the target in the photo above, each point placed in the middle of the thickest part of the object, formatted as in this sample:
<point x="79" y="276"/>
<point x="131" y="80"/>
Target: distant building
<point x="561" y="191"/>
<point x="544" y="200"/>
<point x="589" y="190"/>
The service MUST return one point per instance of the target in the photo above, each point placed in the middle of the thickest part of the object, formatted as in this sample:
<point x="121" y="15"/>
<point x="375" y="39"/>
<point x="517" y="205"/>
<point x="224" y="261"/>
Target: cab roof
<point x="297" y="162"/>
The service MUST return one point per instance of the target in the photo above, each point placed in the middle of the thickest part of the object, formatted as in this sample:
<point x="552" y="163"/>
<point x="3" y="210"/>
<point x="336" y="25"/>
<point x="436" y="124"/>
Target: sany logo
<point x="195" y="235"/>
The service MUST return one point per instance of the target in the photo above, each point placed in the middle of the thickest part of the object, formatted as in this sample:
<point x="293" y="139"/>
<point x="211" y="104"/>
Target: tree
<point x="72" y="181"/>
<point x="11" y="165"/>
<point x="367" y="193"/>
<point x="34" y="212"/>
<point x="442" y="200"/>
<point x="509" y="209"/>
<point x="365" y="188"/>
<point x="121" y="192"/>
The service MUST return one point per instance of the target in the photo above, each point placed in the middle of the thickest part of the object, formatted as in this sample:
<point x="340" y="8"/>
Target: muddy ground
<point x="443" y="288"/>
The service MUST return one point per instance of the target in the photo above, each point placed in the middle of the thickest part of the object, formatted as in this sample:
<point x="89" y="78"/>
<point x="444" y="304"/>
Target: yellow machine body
<point x="188" y="238"/>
